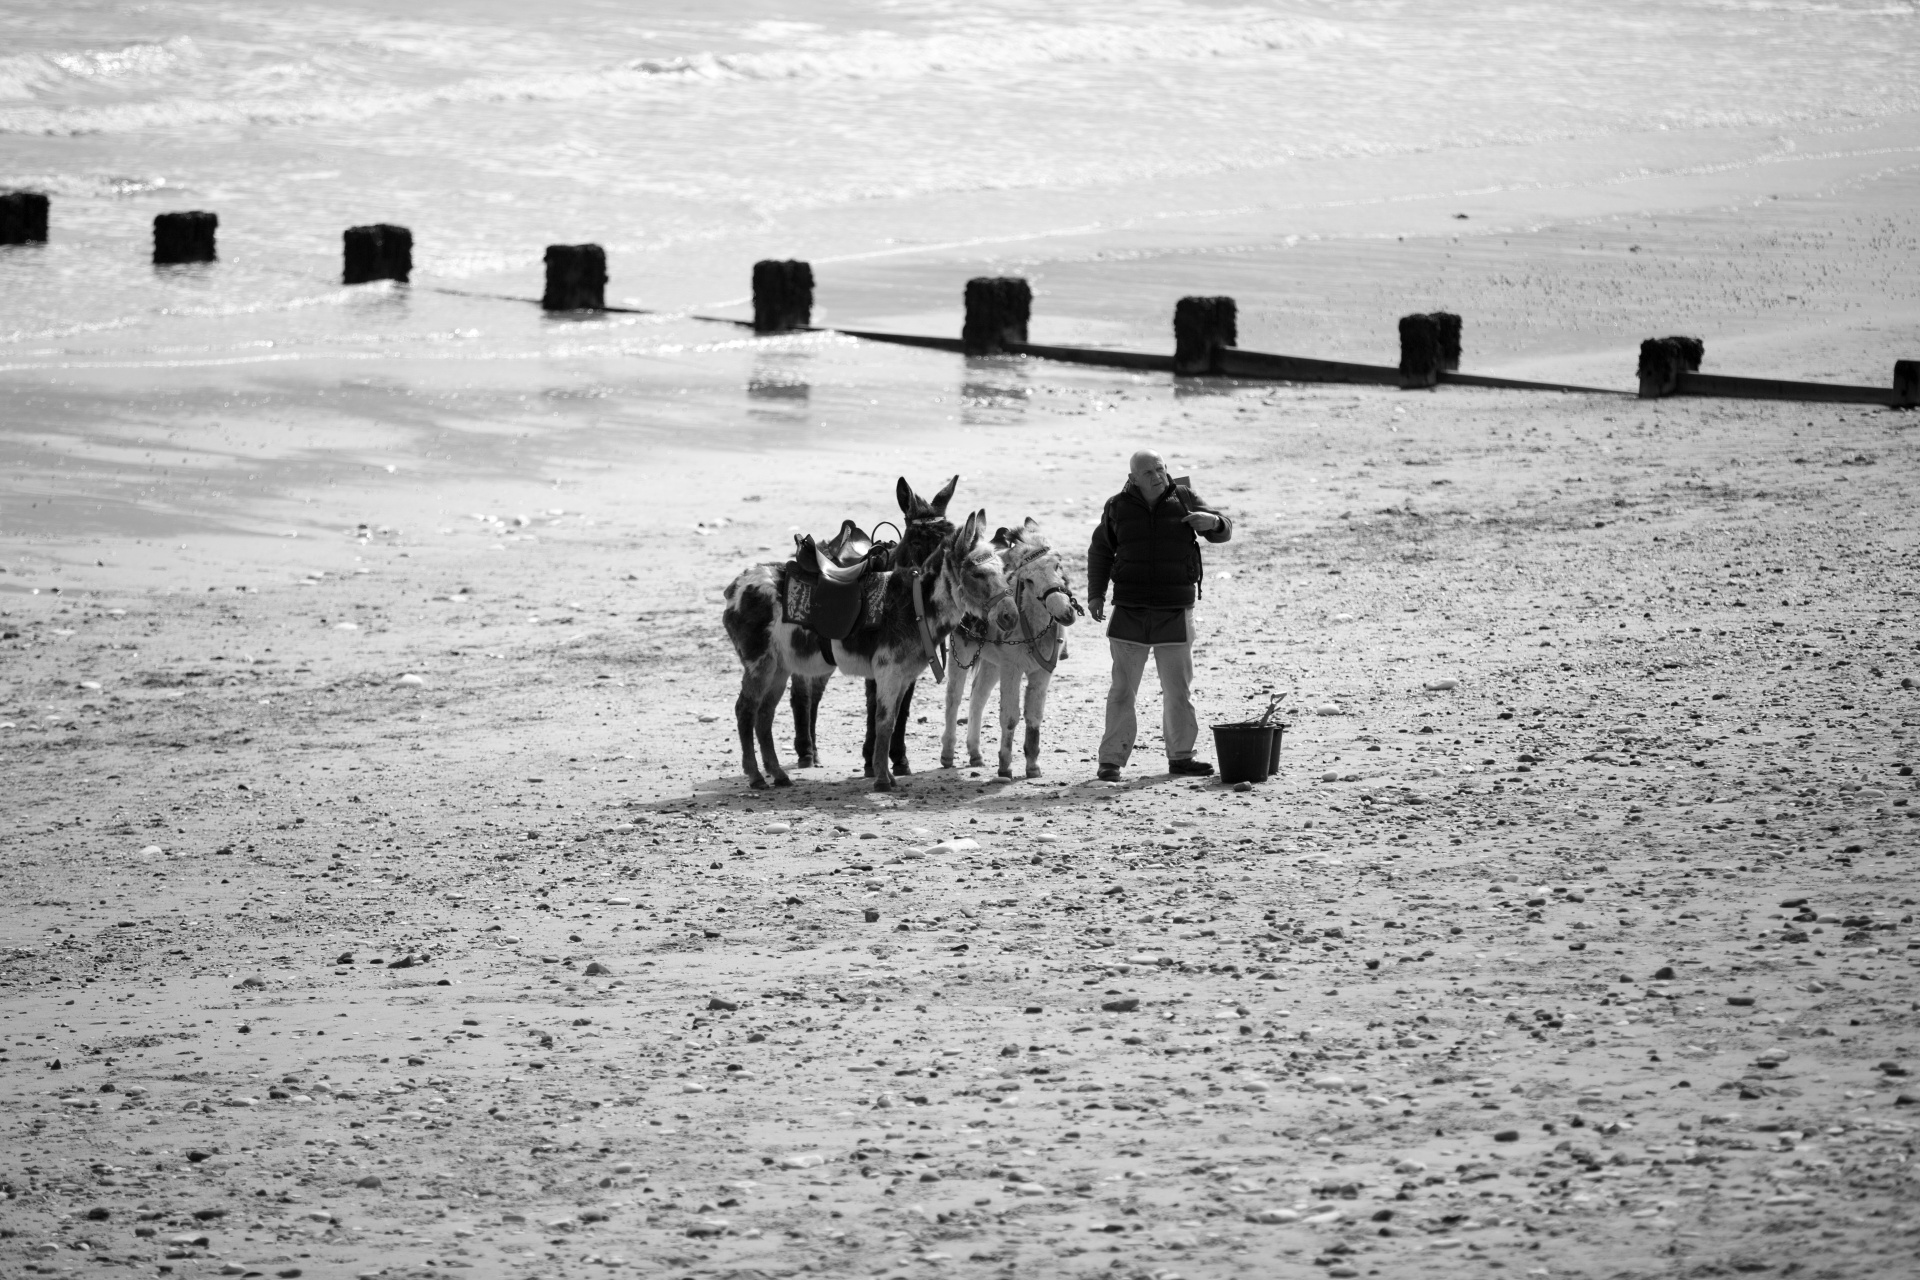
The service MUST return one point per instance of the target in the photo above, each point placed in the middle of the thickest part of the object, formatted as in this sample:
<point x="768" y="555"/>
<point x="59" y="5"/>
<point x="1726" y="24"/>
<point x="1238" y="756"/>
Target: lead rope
<point x="936" y="649"/>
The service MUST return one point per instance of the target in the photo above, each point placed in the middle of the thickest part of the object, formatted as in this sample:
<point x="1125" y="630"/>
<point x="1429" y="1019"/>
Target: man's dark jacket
<point x="1150" y="554"/>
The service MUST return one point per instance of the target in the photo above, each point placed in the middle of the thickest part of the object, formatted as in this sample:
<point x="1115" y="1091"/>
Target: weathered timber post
<point x="1201" y="327"/>
<point x="998" y="308"/>
<point x="1449" y="324"/>
<point x="1906" y="384"/>
<point x="1420" y="350"/>
<point x="1663" y="360"/>
<point x="782" y="295"/>
<point x="576" y="278"/>
<point x="379" y="252"/>
<point x="23" y="217"/>
<point x="184" y="237"/>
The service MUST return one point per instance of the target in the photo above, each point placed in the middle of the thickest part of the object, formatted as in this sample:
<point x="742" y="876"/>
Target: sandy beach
<point x="386" y="898"/>
<point x="1493" y="976"/>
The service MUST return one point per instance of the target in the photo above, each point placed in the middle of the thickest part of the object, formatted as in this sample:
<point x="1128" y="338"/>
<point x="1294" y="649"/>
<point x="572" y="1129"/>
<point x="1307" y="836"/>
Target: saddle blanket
<point x="833" y="610"/>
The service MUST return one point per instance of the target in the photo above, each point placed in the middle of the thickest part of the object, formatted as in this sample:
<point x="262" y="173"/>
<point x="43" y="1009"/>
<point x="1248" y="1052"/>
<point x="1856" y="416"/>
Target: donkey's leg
<point x="1037" y="683"/>
<point x="763" y="727"/>
<point x="1009" y="715"/>
<point x="890" y="688"/>
<point x="757" y="679"/>
<point x="801" y="701"/>
<point x="990" y="674"/>
<point x="866" y="750"/>
<point x="898" y="741"/>
<point x="956" y="692"/>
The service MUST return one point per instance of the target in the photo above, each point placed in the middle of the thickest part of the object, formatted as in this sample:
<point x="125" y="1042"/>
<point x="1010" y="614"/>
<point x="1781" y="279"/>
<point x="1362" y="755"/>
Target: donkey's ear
<point x="1002" y="538"/>
<point x="969" y="533"/>
<point x="943" y="497"/>
<point x="1030" y="525"/>
<point x="907" y="498"/>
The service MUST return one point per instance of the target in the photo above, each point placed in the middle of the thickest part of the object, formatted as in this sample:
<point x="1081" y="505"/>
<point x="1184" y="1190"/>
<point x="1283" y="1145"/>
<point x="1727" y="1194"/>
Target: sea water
<point x="691" y="140"/>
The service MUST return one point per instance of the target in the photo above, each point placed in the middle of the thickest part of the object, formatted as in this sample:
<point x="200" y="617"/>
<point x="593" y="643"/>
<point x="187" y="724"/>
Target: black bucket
<point x="1246" y="752"/>
<point x="1273" y="761"/>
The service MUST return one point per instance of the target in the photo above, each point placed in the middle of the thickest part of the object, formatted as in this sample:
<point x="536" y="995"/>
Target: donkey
<point x="921" y="605"/>
<point x="1044" y="604"/>
<point x="927" y="524"/>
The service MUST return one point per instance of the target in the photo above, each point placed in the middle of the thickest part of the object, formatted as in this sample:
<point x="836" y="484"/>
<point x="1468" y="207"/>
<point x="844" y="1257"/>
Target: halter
<point x="1031" y="640"/>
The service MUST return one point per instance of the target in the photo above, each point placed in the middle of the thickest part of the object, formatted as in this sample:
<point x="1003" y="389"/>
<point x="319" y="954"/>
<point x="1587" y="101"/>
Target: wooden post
<point x="1663" y="360"/>
<point x="23" y="217"/>
<point x="1449" y="324"/>
<point x="379" y="252"/>
<point x="184" y="237"/>
<point x="1906" y="384"/>
<point x="782" y="295"/>
<point x="1420" y="350"/>
<point x="998" y="308"/>
<point x="576" y="278"/>
<point x="1201" y="328"/>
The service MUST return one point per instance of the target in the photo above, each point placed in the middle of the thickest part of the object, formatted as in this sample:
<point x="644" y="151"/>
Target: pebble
<point x="1331" y="1083"/>
<point x="619" y="902"/>
<point x="805" y="1160"/>
<point x="1442" y="686"/>
<point x="1126" y="1004"/>
<point x="1409" y="1167"/>
<point x="727" y="1006"/>
<point x="778" y="828"/>
<point x="371" y="1182"/>
<point x="1047" y="837"/>
<point x="598" y="970"/>
<point x="411" y="680"/>
<point x="1742" y="1001"/>
<point x="346" y="626"/>
<point x="1327" y="709"/>
<point x="1274" y="1216"/>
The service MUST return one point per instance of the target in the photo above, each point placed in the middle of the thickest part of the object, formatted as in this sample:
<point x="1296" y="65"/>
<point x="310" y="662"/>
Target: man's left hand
<point x="1201" y="521"/>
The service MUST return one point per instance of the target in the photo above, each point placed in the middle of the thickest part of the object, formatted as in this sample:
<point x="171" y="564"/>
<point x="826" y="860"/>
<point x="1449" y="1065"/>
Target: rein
<point x="1028" y="639"/>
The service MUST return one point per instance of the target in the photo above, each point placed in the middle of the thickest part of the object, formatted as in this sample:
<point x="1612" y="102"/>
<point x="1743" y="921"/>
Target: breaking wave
<point x="1017" y="48"/>
<point x="33" y="75"/>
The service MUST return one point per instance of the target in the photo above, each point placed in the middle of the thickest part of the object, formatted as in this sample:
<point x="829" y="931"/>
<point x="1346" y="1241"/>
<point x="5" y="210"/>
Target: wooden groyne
<point x="998" y="310"/>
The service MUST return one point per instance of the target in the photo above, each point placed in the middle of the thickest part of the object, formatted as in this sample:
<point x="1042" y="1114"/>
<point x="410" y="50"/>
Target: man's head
<point x="1149" y="474"/>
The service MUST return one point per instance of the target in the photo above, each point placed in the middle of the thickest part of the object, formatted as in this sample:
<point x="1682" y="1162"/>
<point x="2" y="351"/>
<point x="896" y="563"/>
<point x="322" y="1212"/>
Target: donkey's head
<point x="1035" y="570"/>
<point x="977" y="581"/>
<point x="927" y="525"/>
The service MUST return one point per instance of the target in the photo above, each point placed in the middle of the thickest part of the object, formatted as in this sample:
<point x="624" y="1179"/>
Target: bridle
<point x="982" y="633"/>
<point x="936" y="647"/>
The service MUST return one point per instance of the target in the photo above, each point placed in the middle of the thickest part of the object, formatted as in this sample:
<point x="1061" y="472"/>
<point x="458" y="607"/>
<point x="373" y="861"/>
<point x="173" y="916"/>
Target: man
<point x="1146" y="546"/>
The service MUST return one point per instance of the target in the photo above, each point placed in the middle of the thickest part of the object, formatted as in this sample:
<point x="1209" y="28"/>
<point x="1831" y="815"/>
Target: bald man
<point x="1147" y="546"/>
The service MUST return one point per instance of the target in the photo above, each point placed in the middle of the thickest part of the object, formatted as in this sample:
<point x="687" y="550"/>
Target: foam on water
<point x="690" y="143"/>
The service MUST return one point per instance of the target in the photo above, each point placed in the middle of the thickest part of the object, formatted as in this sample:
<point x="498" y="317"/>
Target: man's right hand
<point x="1098" y="608"/>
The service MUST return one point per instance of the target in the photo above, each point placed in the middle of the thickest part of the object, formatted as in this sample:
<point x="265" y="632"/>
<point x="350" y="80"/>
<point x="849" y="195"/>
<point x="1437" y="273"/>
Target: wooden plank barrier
<point x="782" y="296"/>
<point x="23" y="217"/>
<point x="1202" y="329"/>
<point x="1671" y="367"/>
<point x="576" y="278"/>
<point x="184" y="237"/>
<point x="381" y="251"/>
<point x="1906" y="384"/>
<point x="998" y="308"/>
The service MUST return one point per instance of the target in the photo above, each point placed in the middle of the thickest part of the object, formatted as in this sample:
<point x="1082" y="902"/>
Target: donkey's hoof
<point x="757" y="782"/>
<point x="883" y="784"/>
<point x="782" y="780"/>
<point x="901" y="767"/>
<point x="1005" y="771"/>
<point x="976" y="761"/>
<point x="806" y="762"/>
<point x="946" y="760"/>
<point x="1033" y="770"/>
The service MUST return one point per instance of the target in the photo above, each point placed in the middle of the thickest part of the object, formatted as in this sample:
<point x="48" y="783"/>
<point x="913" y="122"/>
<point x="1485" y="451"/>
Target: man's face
<point x="1149" y="476"/>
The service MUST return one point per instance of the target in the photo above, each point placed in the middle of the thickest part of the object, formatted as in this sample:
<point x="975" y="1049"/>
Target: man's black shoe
<point x="1191" y="767"/>
<point x="1108" y="773"/>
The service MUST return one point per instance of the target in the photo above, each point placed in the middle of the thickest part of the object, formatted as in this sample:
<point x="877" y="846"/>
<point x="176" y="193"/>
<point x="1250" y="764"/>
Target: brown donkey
<point x="922" y="604"/>
<point x="926" y="524"/>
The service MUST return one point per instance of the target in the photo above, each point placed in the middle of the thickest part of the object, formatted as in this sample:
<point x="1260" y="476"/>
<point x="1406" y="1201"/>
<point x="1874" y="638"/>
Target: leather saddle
<point x="832" y="586"/>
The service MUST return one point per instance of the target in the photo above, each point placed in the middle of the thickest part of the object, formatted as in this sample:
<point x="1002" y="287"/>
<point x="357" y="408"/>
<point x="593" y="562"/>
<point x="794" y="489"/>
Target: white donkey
<point x="999" y="654"/>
